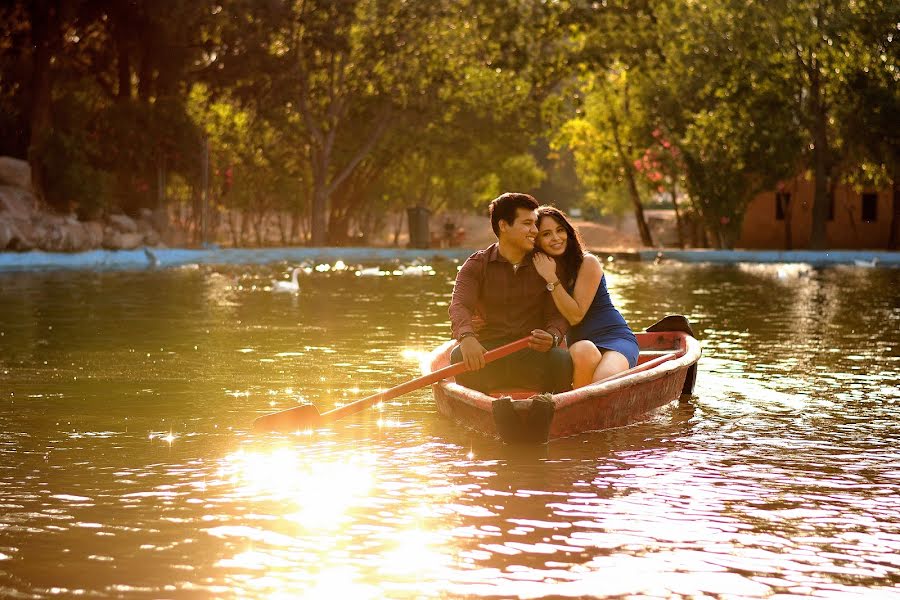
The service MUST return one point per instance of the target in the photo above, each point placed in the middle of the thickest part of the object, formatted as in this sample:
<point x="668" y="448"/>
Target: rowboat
<point x="666" y="370"/>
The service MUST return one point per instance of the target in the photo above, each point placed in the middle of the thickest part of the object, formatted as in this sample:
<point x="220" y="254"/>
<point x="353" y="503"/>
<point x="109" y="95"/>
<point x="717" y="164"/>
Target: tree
<point x="819" y="43"/>
<point x="345" y="68"/>
<point x="621" y="137"/>
<point x="866" y="118"/>
<point x="45" y="18"/>
<point x="718" y="99"/>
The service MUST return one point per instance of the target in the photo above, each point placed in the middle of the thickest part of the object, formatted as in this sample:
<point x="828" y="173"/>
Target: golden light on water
<point x="422" y="357"/>
<point x="416" y="551"/>
<point x="413" y="353"/>
<point x="323" y="507"/>
<point x="314" y="493"/>
<point x="339" y="583"/>
<point x="169" y="438"/>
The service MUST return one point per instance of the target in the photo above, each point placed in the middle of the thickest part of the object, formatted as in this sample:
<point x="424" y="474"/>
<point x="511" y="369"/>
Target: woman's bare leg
<point x="585" y="360"/>
<point x="610" y="363"/>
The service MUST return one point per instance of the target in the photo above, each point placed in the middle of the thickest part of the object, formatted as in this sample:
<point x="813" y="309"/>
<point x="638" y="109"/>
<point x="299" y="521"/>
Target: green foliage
<point x="341" y="110"/>
<point x="520" y="172"/>
<point x="613" y="200"/>
<point x="14" y="93"/>
<point x="695" y="100"/>
<point x="76" y="185"/>
<point x="607" y="141"/>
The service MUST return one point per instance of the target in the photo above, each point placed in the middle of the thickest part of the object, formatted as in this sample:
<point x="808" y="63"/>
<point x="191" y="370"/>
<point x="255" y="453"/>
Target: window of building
<point x="782" y="203"/>
<point x="869" y="208"/>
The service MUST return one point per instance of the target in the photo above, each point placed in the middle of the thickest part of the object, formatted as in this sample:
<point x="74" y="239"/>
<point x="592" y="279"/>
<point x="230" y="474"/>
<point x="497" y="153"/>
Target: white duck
<point x="866" y="263"/>
<point x="288" y="287"/>
<point x="371" y="272"/>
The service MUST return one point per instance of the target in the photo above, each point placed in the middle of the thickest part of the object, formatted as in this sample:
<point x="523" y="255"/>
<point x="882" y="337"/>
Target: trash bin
<point x="419" y="232"/>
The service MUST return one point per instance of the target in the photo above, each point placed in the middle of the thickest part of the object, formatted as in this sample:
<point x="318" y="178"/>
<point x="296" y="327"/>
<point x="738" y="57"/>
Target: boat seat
<point x="515" y="394"/>
<point x="655" y="353"/>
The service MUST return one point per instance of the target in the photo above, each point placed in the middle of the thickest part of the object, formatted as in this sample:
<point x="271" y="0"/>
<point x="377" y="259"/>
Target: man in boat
<point x="500" y="290"/>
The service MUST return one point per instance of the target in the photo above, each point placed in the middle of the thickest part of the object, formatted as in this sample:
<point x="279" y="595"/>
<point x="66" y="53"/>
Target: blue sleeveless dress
<point x="605" y="327"/>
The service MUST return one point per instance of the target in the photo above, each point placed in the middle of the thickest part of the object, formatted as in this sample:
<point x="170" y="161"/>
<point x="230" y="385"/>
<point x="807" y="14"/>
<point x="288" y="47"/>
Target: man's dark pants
<point x="541" y="371"/>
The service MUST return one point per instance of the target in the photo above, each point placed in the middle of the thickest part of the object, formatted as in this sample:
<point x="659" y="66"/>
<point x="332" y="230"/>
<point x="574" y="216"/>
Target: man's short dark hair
<point x="505" y="207"/>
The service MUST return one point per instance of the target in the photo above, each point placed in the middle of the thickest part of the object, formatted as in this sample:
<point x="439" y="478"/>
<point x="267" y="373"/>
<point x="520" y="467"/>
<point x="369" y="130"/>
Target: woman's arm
<point x="573" y="306"/>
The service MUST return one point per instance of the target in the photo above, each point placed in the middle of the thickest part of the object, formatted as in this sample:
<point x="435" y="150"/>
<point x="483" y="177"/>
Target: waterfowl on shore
<point x="152" y="259"/>
<point x="866" y="263"/>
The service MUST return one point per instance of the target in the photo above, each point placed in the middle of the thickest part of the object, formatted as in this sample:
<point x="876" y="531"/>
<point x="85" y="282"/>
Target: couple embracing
<point x="536" y="280"/>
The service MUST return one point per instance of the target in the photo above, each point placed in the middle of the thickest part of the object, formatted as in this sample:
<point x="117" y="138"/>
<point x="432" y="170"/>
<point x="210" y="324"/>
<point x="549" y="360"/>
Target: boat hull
<point x="666" y="370"/>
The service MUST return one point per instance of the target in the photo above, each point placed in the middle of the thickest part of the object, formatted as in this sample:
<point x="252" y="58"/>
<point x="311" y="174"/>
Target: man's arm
<point x="462" y="308"/>
<point x="465" y="297"/>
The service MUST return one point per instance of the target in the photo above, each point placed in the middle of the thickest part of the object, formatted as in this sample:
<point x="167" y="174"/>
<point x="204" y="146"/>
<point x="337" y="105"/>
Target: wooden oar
<point x="307" y="416"/>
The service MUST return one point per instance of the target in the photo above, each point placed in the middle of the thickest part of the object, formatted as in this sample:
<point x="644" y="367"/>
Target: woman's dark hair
<point x="505" y="206"/>
<point x="574" y="255"/>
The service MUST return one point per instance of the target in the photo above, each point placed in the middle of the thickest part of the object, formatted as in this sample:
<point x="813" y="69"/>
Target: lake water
<point x="127" y="468"/>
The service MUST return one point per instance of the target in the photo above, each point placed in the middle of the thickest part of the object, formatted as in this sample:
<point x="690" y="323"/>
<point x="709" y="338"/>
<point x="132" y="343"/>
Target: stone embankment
<point x="26" y="225"/>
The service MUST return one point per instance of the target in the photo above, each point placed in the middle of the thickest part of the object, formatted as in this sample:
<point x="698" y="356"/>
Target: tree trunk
<point x="677" y="215"/>
<point x="44" y="34"/>
<point x="296" y="229"/>
<point x="232" y="218"/>
<point x="646" y="238"/>
<point x="242" y="233"/>
<point x="628" y="169"/>
<point x="818" y="235"/>
<point x="338" y="229"/>
<point x="283" y="221"/>
<point x="258" y="220"/>
<point x="319" y="216"/>
<point x="123" y="64"/>
<point x="399" y="227"/>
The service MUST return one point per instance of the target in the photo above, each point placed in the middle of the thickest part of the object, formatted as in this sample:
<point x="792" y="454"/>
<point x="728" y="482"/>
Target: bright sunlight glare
<point x="422" y="357"/>
<point x="314" y="493"/>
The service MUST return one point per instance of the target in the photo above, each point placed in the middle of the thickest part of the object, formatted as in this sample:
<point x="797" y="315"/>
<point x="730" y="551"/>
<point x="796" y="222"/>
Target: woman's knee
<point x="584" y="353"/>
<point x="611" y="363"/>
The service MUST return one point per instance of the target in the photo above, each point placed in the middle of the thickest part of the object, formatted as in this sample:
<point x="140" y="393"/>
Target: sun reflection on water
<point x="415" y="551"/>
<point x="331" y="512"/>
<point x="419" y="356"/>
<point x="313" y="493"/>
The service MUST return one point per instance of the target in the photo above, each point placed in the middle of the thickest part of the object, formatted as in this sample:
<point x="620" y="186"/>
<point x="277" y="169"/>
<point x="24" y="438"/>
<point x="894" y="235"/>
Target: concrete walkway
<point x="882" y="258"/>
<point x="173" y="257"/>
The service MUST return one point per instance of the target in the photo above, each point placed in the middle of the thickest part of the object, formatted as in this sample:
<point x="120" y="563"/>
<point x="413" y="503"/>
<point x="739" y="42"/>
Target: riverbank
<point x="150" y="258"/>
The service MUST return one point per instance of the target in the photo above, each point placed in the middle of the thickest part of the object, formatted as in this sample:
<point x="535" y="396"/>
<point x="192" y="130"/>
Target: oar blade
<point x="298" y="418"/>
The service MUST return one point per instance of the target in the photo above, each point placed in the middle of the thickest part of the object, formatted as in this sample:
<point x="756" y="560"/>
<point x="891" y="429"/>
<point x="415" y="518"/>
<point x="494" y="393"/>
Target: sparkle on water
<point x="127" y="467"/>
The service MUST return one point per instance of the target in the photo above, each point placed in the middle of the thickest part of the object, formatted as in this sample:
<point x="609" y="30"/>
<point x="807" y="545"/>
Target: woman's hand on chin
<point x="545" y="266"/>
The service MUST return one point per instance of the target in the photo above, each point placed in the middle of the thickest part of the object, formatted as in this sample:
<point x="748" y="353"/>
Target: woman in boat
<point x="600" y="341"/>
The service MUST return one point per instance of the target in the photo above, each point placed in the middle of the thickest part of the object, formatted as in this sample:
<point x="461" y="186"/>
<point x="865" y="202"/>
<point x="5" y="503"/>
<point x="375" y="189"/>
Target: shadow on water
<point x="564" y="461"/>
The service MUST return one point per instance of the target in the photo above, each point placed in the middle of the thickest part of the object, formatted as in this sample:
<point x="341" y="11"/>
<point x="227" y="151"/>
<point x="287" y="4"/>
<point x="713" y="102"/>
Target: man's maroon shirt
<point x="512" y="301"/>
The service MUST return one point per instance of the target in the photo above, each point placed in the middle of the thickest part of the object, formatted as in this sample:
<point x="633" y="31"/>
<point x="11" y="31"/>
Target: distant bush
<point x="74" y="184"/>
